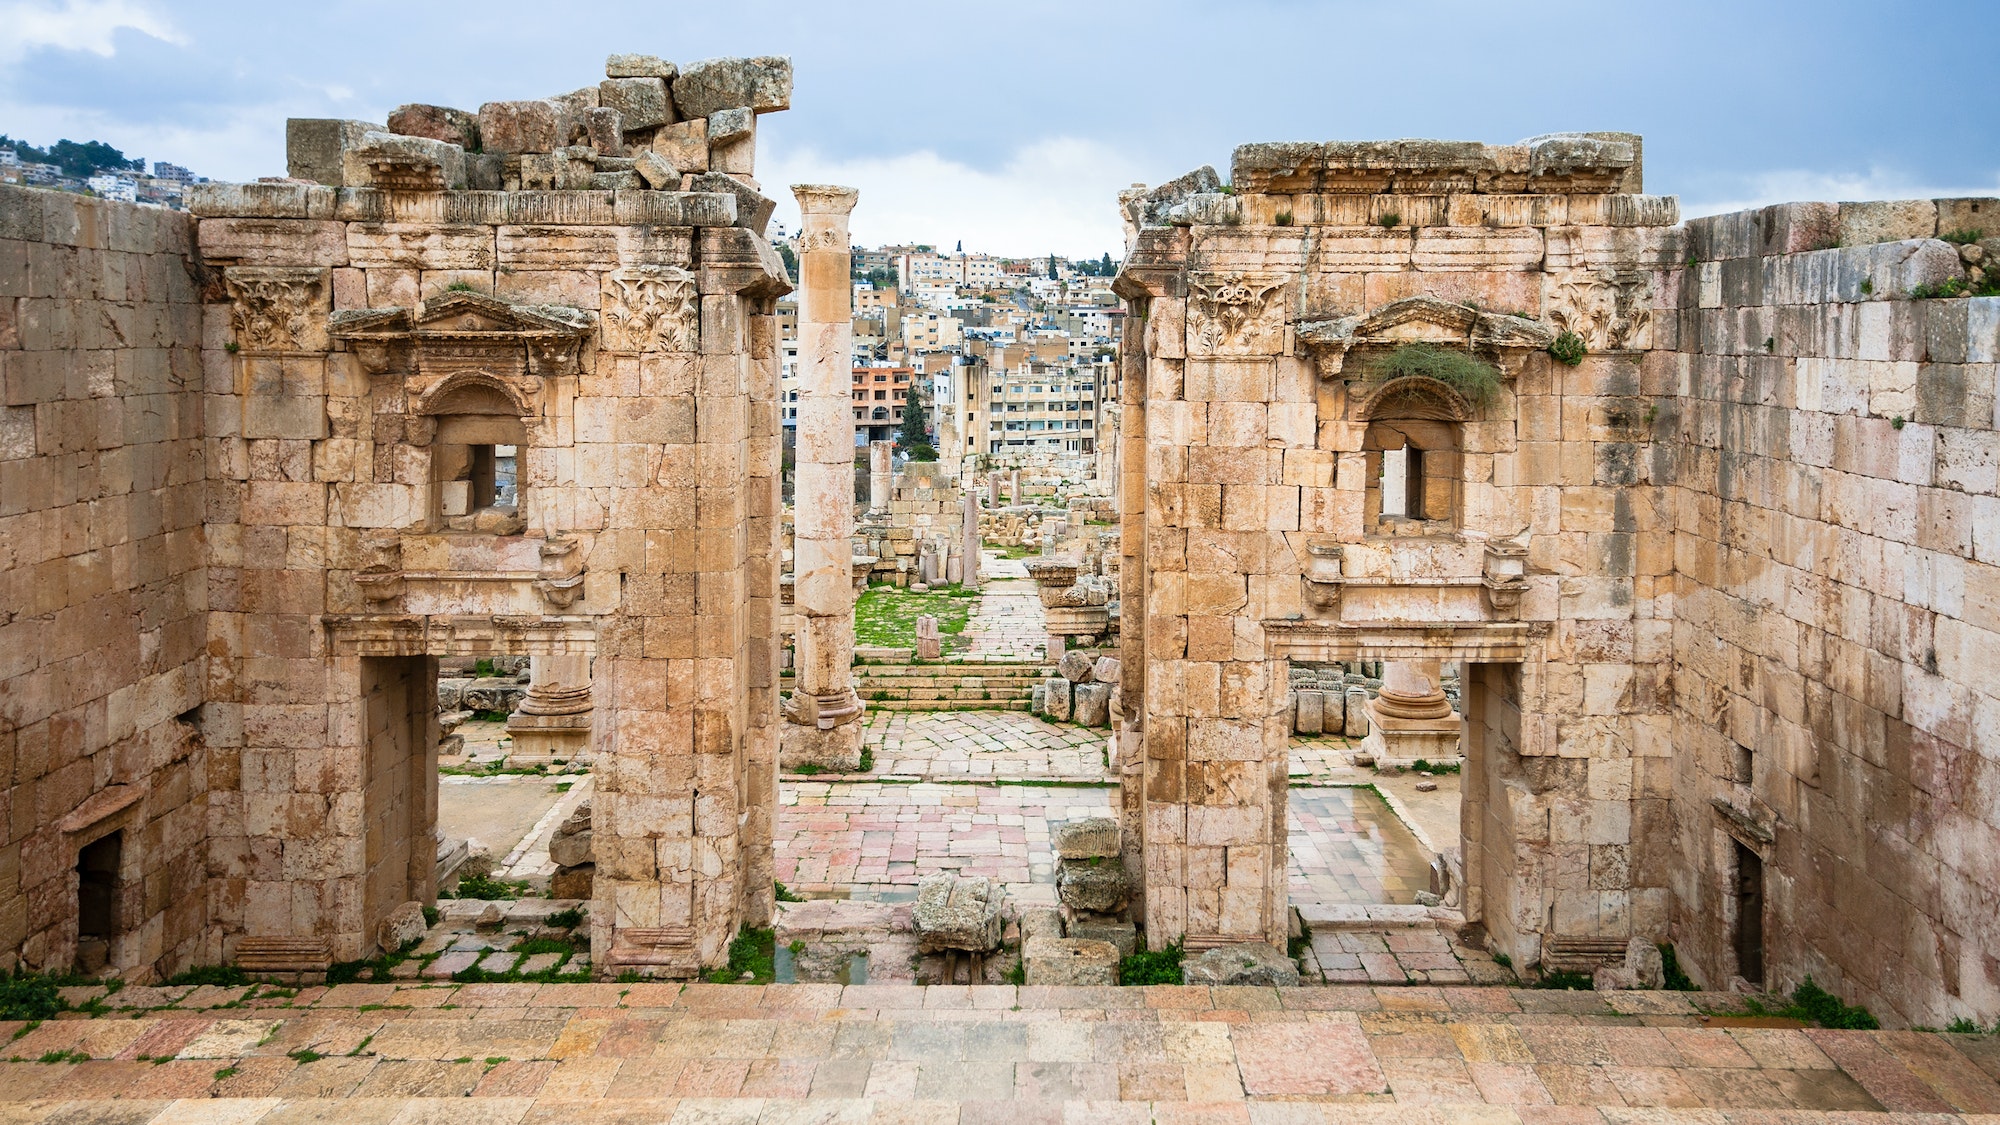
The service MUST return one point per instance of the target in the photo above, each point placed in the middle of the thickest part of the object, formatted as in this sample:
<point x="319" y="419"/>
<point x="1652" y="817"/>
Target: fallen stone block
<point x="437" y="122"/>
<point x="763" y="84"/>
<point x="1056" y="698"/>
<point x="1075" y="666"/>
<point x="607" y="132"/>
<point x="658" y="174"/>
<point x="1887" y="220"/>
<point x="1249" y="963"/>
<point x="1069" y="961"/>
<point x="730" y="124"/>
<point x="641" y="102"/>
<point x="753" y="209"/>
<point x="1310" y="716"/>
<point x="1091" y="704"/>
<point x="1645" y="963"/>
<point x="639" y="66"/>
<point x="1107" y="670"/>
<point x="1123" y="936"/>
<point x="957" y="913"/>
<point x="1094" y="885"/>
<point x="403" y="925"/>
<point x="570" y="846"/>
<point x="316" y="147"/>
<point x="521" y="126"/>
<point x="574" y="882"/>
<point x="1092" y="837"/>
<point x="684" y="144"/>
<point x="1040" y="923"/>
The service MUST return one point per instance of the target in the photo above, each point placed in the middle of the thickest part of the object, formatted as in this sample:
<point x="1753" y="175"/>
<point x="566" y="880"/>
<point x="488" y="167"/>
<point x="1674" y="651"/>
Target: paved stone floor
<point x="1008" y="623"/>
<point x="1347" y="845"/>
<point x="746" y="1055"/>
<point x="873" y="840"/>
<point x="962" y="745"/>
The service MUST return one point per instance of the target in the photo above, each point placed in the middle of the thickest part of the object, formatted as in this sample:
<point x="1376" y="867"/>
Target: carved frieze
<point x="1612" y="311"/>
<point x="1235" y="314"/>
<point x="278" y="308"/>
<point x="652" y="309"/>
<point x="1501" y="337"/>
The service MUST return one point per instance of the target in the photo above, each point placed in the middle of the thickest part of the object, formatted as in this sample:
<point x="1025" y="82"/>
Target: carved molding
<point x="1612" y="311"/>
<point x="278" y="308"/>
<point x="1505" y="576"/>
<point x="561" y="582"/>
<point x="1504" y="339"/>
<point x="652" y="309"/>
<point x="821" y="240"/>
<point x="1235" y="314"/>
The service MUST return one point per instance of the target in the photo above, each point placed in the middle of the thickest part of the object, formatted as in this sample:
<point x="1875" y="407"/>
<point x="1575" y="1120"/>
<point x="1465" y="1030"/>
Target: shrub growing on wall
<point x="1475" y="380"/>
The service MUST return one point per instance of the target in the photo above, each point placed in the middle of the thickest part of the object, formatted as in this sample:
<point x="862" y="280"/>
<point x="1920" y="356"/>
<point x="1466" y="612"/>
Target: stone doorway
<point x="97" y="893"/>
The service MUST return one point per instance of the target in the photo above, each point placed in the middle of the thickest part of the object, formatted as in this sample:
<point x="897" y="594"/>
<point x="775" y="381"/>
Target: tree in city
<point x="914" y="438"/>
<point x="1105" y="268"/>
<point x="1052" y="267"/>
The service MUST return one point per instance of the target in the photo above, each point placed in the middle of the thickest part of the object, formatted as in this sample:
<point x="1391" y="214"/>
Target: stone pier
<point x="823" y="713"/>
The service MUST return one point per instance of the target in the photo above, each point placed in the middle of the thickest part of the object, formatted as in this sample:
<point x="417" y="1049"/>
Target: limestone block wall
<point x="1246" y="422"/>
<point x="103" y="588"/>
<point x="1837" y="542"/>
<point x="592" y="323"/>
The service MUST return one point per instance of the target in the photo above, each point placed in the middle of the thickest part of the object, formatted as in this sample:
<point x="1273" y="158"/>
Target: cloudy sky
<point x="1011" y="126"/>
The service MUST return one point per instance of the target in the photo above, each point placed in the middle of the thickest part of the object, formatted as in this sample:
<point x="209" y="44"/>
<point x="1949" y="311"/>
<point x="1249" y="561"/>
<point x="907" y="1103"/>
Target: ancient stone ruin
<point x="1703" y="514"/>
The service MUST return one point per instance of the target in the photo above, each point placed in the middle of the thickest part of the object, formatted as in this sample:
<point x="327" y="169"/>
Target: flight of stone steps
<point x="945" y="686"/>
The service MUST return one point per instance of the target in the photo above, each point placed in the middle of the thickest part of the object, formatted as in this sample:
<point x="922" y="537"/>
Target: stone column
<point x="823" y="713"/>
<point x="970" y="573"/>
<point x="993" y="490"/>
<point x="1015" y="496"/>
<point x="1411" y="718"/>
<point x="881" y="470"/>
<point x="553" y="720"/>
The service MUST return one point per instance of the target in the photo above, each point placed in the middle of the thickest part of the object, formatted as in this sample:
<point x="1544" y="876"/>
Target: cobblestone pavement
<point x="595" y="1054"/>
<point x="1007" y="624"/>
<point x="959" y="745"/>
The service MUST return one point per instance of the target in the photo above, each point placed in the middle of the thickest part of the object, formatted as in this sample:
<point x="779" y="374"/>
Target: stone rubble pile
<point x="571" y="850"/>
<point x="1083" y="943"/>
<point x="648" y="126"/>
<point x="1082" y="689"/>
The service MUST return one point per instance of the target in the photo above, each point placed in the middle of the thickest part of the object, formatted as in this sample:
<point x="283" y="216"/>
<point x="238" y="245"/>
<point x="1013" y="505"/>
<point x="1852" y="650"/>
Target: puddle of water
<point x="785" y="968"/>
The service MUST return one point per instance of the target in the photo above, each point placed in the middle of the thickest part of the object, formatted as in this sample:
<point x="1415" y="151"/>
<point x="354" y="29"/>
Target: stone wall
<point x="103" y="589"/>
<point x="1837" y="544"/>
<point x="1250" y="407"/>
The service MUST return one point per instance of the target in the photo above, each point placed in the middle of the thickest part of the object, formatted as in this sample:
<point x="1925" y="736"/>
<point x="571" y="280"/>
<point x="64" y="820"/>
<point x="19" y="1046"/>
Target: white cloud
<point x="1058" y="195"/>
<point x="78" y="25"/>
<point x="1801" y="185"/>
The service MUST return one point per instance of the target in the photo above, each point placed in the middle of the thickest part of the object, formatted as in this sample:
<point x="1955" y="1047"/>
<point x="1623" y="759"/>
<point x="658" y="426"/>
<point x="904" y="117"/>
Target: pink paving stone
<point x="1321" y="1059"/>
<point x="1944" y="1070"/>
<point x="450" y="963"/>
<point x="1508" y="1083"/>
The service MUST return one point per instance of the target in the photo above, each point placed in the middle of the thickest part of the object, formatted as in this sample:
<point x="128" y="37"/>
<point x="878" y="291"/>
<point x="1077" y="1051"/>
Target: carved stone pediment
<point x="463" y="332"/>
<point x="278" y="308"/>
<point x="1502" y="337"/>
<point x="1235" y="314"/>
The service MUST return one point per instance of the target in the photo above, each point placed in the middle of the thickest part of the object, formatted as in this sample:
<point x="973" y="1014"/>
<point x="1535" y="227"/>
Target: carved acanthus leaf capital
<point x="278" y="308"/>
<point x="652" y="309"/>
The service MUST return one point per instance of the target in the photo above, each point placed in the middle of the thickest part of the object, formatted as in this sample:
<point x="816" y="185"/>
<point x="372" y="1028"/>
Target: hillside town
<point x="1013" y="361"/>
<point x="94" y="168"/>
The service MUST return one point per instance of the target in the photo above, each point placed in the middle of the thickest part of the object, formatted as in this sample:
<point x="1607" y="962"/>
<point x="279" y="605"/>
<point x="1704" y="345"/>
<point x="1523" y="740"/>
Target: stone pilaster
<point x="823" y="713"/>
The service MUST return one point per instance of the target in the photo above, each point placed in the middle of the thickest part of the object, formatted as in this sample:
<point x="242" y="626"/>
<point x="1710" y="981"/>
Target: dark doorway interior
<point x="1749" y="915"/>
<point x="97" y="901"/>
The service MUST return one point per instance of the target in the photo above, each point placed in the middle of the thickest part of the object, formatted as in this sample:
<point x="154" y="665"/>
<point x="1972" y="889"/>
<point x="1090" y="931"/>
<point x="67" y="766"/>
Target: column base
<point x="545" y="738"/>
<point x="1395" y="742"/>
<point x="838" y="748"/>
